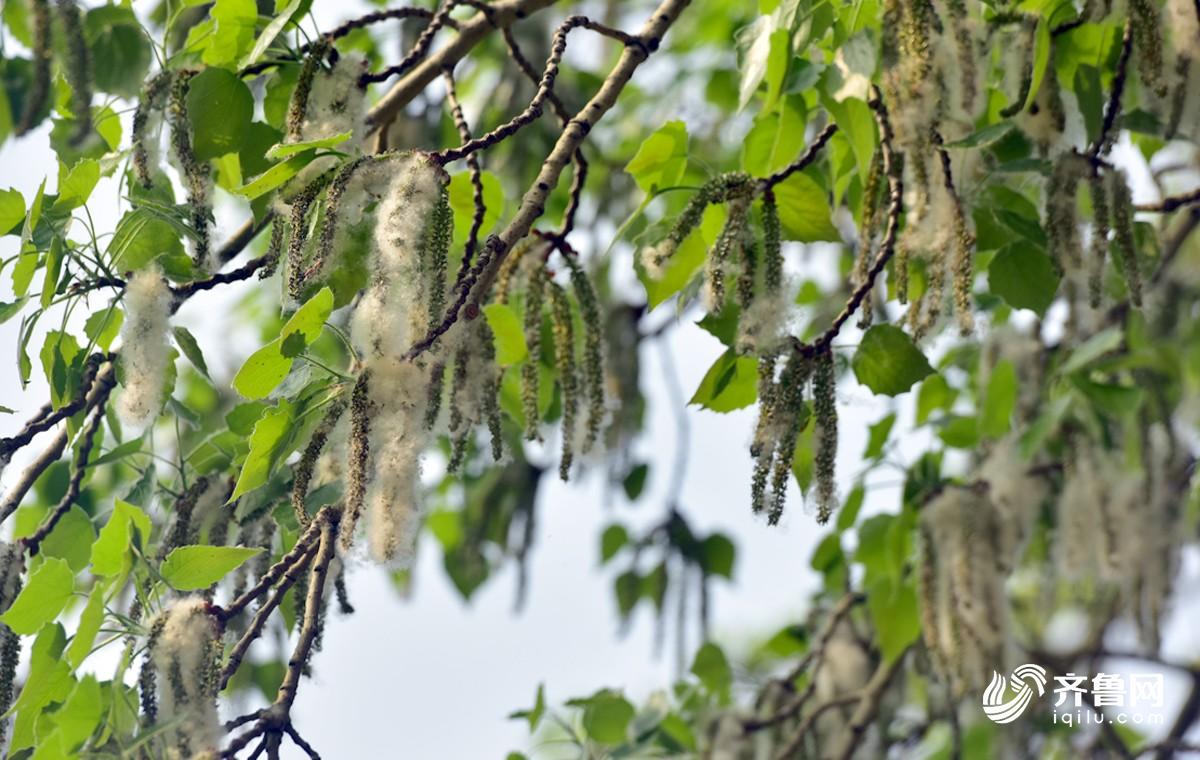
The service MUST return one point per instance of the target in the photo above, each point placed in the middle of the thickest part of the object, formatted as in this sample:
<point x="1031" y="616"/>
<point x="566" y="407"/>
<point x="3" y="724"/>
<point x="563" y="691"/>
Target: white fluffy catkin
<point x="186" y="657"/>
<point x="144" y="350"/>
<point x="1183" y="21"/>
<point x="393" y="314"/>
<point x="398" y="437"/>
<point x="336" y="103"/>
<point x="965" y="618"/>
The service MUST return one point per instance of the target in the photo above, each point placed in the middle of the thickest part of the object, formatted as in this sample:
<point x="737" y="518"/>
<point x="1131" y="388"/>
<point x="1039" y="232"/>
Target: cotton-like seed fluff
<point x="144" y="350"/>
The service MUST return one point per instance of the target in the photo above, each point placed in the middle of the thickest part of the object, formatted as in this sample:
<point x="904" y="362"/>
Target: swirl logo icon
<point x="1002" y="707"/>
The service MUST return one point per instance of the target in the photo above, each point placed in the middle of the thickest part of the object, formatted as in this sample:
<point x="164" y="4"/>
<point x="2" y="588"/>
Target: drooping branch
<point x="464" y="133"/>
<point x="533" y="204"/>
<point x="470" y="33"/>
<point x="558" y="47"/>
<point x="96" y="400"/>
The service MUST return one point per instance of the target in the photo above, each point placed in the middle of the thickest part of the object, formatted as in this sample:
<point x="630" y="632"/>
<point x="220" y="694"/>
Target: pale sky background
<point x="433" y="677"/>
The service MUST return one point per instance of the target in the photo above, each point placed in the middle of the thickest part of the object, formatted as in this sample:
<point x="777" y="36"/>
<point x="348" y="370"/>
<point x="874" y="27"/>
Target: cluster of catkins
<point x="736" y="255"/>
<point x="181" y="677"/>
<point x="167" y="92"/>
<point x="1120" y="525"/>
<point x="1113" y="211"/>
<point x="931" y="82"/>
<point x="145" y="354"/>
<point x="525" y="277"/>
<point x="971" y="538"/>
<point x="763" y="306"/>
<point x="76" y="68"/>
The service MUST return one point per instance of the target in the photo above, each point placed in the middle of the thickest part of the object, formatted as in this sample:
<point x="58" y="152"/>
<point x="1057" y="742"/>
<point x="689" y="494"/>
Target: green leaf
<point x="730" y="383"/>
<point x="462" y="202"/>
<point x="712" y="668"/>
<point x="270" y="32"/>
<point x="935" y="393"/>
<point x="267" y="367"/>
<point x="507" y="333"/>
<point x="71" y="539"/>
<point x="982" y="138"/>
<point x="276" y="175"/>
<point x="1090" y="96"/>
<point x="12" y="210"/>
<point x="1041" y="58"/>
<point x="141" y="237"/>
<point x="896" y="613"/>
<point x="999" y="400"/>
<point x="53" y="268"/>
<point x="73" y="722"/>
<point x="804" y="210"/>
<point x="1092" y="349"/>
<point x="76" y="186"/>
<point x="120" y="51"/>
<point x="1024" y="277"/>
<point x="44" y="595"/>
<point x="49" y="681"/>
<point x="662" y="157"/>
<point x="270" y="433"/>
<point x="110" y="551"/>
<point x="190" y="568"/>
<point x="220" y="108"/>
<point x="960" y="432"/>
<point x="612" y="540"/>
<point x="878" y="437"/>
<point x="191" y="349"/>
<point x="775" y="139"/>
<point x="534" y="714"/>
<point x="606" y="718"/>
<point x="888" y="362"/>
<point x="717" y="553"/>
<point x="679" y="270"/>
<point x="287" y="150"/>
<point x="233" y="31"/>
<point x="90" y="621"/>
<point x="635" y="481"/>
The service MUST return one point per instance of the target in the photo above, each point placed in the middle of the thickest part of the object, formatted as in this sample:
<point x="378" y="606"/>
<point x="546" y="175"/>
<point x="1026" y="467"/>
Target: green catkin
<point x="329" y="226"/>
<point x="435" y="253"/>
<point x="1179" y="95"/>
<point x="78" y="68"/>
<point x="762" y="447"/>
<point x="729" y="242"/>
<point x="965" y="44"/>
<point x="1062" y="224"/>
<point x="1100" y="230"/>
<point x="964" y="270"/>
<point x="1122" y="222"/>
<point x="183" y="530"/>
<point x="508" y="268"/>
<point x="433" y="399"/>
<point x="274" y="249"/>
<point x="460" y="429"/>
<point x="772" y="244"/>
<point x="1146" y="19"/>
<point x="563" y="324"/>
<point x="196" y="175"/>
<point x="931" y="299"/>
<point x="147" y="683"/>
<point x="747" y="270"/>
<point x="298" y="106"/>
<point x="297" y="228"/>
<point x="533" y="340"/>
<point x="302" y="473"/>
<point x="359" y="454"/>
<point x="39" y="85"/>
<point x="152" y="95"/>
<point x="1026" y="41"/>
<point x="789" y="404"/>
<point x="826" y="435"/>
<point x="491" y="390"/>
<point x="593" y="351"/>
<point x="716" y="190"/>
